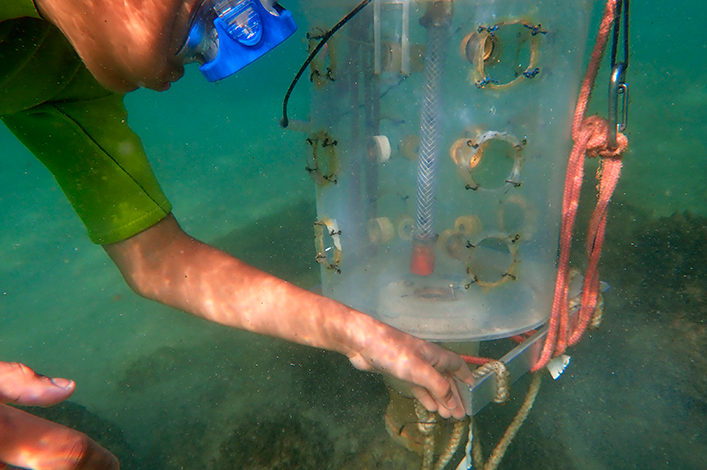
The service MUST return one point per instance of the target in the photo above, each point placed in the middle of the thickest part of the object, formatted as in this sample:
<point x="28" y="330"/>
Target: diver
<point x="65" y="66"/>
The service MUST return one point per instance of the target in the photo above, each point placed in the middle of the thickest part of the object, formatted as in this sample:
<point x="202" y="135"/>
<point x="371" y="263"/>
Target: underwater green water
<point x="183" y="393"/>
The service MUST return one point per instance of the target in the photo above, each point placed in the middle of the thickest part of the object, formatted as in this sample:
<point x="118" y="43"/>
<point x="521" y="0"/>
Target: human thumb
<point x="20" y="385"/>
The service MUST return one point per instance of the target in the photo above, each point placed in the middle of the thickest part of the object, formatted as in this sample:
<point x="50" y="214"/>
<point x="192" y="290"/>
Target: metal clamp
<point x="617" y="86"/>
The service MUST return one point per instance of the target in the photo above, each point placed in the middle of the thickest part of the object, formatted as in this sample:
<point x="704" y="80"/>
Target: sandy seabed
<point x="167" y="391"/>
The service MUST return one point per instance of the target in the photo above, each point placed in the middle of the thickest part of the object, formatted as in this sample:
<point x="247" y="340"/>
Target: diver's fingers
<point x="425" y="398"/>
<point x="445" y="410"/>
<point x="463" y="373"/>
<point x="459" y="411"/>
<point x="434" y="405"/>
<point x="438" y="379"/>
<point x="28" y="441"/>
<point x="447" y="362"/>
<point x="20" y="385"/>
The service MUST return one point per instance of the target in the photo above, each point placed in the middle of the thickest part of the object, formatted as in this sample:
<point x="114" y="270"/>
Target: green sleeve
<point x="81" y="135"/>
<point x="10" y="9"/>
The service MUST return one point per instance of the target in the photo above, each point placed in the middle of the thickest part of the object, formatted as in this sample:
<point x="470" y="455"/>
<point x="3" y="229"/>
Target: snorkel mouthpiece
<point x="227" y="35"/>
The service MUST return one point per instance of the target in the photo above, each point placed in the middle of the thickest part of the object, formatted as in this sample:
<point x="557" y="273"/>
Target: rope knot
<point x="596" y="130"/>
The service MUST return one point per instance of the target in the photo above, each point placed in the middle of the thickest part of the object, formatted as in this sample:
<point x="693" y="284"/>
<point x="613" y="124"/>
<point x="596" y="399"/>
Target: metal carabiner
<point x="617" y="86"/>
<point x="617" y="82"/>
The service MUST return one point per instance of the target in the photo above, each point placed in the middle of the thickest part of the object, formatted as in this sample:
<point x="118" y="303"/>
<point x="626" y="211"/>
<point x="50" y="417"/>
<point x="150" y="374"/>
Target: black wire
<point x="284" y="122"/>
<point x="626" y="33"/>
<point x="618" y="20"/>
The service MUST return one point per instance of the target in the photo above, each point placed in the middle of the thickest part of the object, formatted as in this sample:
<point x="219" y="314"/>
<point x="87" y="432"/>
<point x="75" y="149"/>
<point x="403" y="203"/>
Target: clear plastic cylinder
<point x="437" y="139"/>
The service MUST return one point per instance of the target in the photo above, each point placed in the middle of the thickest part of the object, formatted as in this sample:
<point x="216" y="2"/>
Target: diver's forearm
<point x="222" y="289"/>
<point x="166" y="265"/>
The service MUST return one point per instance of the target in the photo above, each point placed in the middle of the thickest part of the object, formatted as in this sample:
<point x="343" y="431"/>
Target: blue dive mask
<point x="227" y="35"/>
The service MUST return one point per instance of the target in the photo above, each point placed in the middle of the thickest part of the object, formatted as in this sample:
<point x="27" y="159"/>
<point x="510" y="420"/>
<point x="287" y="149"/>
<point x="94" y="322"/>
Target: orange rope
<point x="590" y="137"/>
<point x="479" y="361"/>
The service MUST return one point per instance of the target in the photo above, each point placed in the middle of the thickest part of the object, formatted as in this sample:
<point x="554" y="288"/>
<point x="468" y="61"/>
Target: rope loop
<point x="502" y="378"/>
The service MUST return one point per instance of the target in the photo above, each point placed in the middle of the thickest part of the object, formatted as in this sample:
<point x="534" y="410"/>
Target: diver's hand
<point x="30" y="442"/>
<point x="125" y="43"/>
<point x="428" y="369"/>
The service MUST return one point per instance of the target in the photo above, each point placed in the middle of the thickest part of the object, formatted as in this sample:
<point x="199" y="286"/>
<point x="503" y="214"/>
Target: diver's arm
<point x="165" y="264"/>
<point x="125" y="43"/>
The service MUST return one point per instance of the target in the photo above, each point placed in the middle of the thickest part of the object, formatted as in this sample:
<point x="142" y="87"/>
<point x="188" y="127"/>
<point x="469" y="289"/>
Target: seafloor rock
<point x="275" y="442"/>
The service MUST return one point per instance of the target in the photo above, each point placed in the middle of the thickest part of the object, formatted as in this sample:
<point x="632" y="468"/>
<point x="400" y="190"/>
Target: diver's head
<point x="124" y="43"/>
<point x="128" y="44"/>
<point x="226" y="35"/>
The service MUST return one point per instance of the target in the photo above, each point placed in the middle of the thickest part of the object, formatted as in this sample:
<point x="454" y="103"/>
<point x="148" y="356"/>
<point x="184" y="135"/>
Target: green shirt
<point x="75" y="127"/>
